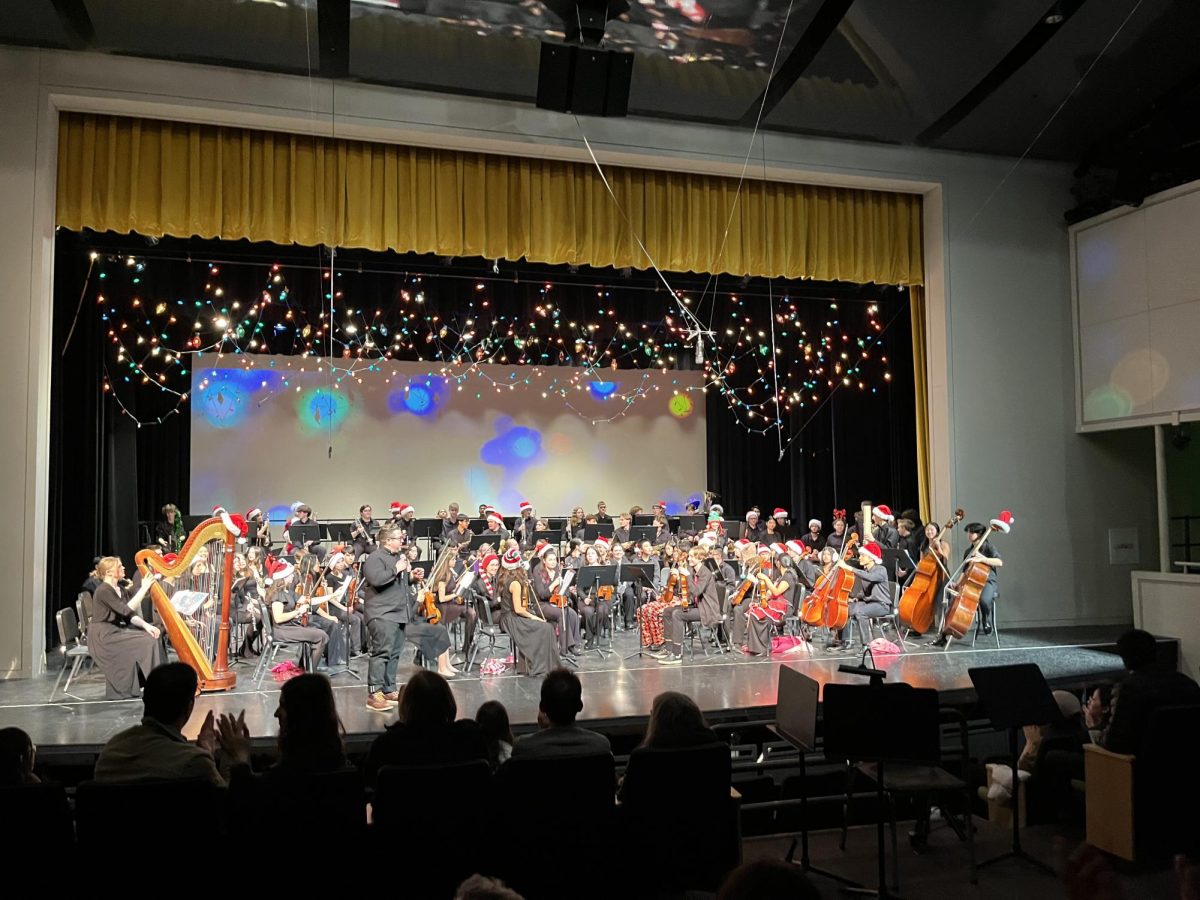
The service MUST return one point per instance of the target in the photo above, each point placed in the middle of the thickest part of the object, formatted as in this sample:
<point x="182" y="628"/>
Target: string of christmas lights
<point x="821" y="345"/>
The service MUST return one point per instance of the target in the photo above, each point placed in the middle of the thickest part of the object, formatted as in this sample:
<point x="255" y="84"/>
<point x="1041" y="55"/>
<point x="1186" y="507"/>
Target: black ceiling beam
<point x="333" y="37"/>
<point x="1051" y="21"/>
<point x="815" y="35"/>
<point x="74" y="18"/>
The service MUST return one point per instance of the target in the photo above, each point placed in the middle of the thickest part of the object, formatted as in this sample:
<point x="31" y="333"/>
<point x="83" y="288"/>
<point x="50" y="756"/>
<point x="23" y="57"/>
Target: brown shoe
<point x="376" y="702"/>
<point x="392" y="697"/>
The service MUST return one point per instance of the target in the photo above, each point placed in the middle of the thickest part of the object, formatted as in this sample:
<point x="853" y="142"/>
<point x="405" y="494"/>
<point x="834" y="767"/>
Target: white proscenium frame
<point x="991" y="232"/>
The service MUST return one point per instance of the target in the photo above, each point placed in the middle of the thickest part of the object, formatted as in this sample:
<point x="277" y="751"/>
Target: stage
<point x="617" y="692"/>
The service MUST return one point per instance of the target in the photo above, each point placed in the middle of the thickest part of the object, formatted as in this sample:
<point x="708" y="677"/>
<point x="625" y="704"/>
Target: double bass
<point x="968" y="587"/>
<point x="919" y="600"/>
<point x="837" y="591"/>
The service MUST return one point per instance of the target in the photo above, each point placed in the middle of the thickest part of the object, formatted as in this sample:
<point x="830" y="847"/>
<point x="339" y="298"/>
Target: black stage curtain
<point x="107" y="475"/>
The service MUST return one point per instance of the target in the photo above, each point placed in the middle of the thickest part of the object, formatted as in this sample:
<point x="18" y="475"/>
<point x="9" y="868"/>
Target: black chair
<point x="692" y="787"/>
<point x="35" y="822"/>
<point x="107" y="811"/>
<point x="559" y="825"/>
<point x="436" y="800"/>
<point x="72" y="648"/>
<point x="313" y="803"/>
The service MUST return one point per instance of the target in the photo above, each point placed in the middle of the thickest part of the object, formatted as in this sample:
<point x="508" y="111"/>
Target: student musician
<point x="782" y="523"/>
<point x="703" y="606"/>
<point x="837" y="540"/>
<point x="248" y="596"/>
<point x="532" y="637"/>
<point x="773" y="532"/>
<point x="449" y="522"/>
<point x="338" y="572"/>
<point x="304" y="516"/>
<point x="461" y="534"/>
<point x="874" y="593"/>
<point x="663" y="524"/>
<point x="545" y="577"/>
<point x="752" y="531"/>
<point x="909" y="546"/>
<point x="259" y="528"/>
<point x="602" y="517"/>
<point x="483" y="587"/>
<point x="406" y="522"/>
<point x="651" y="614"/>
<point x="495" y="528"/>
<point x="124" y="645"/>
<point x="432" y="641"/>
<point x="883" y="528"/>
<point x="985" y="554"/>
<point x="777" y="580"/>
<point x="752" y="559"/>
<point x="812" y="538"/>
<point x="455" y="606"/>
<point x="169" y="531"/>
<point x="526" y="526"/>
<point x="621" y="532"/>
<point x="575" y="524"/>
<point x="291" y="614"/>
<point x="363" y="532"/>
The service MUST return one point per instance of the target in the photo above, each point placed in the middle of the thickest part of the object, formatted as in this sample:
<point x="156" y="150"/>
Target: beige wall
<point x="1001" y="375"/>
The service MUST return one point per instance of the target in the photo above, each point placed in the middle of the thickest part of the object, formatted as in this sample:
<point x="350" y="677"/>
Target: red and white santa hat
<point x="495" y="517"/>
<point x="779" y="549"/>
<point x="873" y="550"/>
<point x="541" y="548"/>
<point x="661" y="504"/>
<point x="796" y="547"/>
<point x="487" y="561"/>
<point x="396" y="507"/>
<point x="812" y="522"/>
<point x="334" y="559"/>
<point x="780" y="513"/>
<point x="254" y="513"/>
<point x="751" y="512"/>
<point x="524" y="506"/>
<point x="406" y="510"/>
<point x="234" y="524"/>
<point x="601" y="542"/>
<point x="512" y="558"/>
<point x="707" y="540"/>
<point x="764" y="550"/>
<point x="741" y="544"/>
<point x="884" y="512"/>
<point x="1003" y="522"/>
<point x="277" y="569"/>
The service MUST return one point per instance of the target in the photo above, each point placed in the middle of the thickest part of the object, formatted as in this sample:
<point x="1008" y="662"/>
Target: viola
<point x="743" y="590"/>
<point x="919" y="599"/>
<point x="668" y="594"/>
<point x="837" y="595"/>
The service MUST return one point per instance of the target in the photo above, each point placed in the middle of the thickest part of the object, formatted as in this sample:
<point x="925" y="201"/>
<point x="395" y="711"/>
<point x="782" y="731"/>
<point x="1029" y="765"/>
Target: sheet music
<point x="186" y="603"/>
<point x="567" y="577"/>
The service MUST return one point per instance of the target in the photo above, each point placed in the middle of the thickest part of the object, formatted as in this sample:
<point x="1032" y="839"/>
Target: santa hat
<point x="764" y="550"/>
<point x="717" y="508"/>
<point x="524" y="506"/>
<point x="796" y="547"/>
<point x="1003" y="522"/>
<point x="542" y="548"/>
<point x="235" y="524"/>
<point x="884" y="512"/>
<point x="494" y="516"/>
<point x="170" y="558"/>
<point x="487" y="560"/>
<point x="872" y="550"/>
<point x="277" y="569"/>
<point x="779" y="513"/>
<point x="254" y="513"/>
<point x="601" y="542"/>
<point x="812" y="522"/>
<point x="661" y="504"/>
<point x="511" y="559"/>
<point x="334" y="559"/>
<point x="751" y="512"/>
<point x="396" y="507"/>
<point x="779" y="549"/>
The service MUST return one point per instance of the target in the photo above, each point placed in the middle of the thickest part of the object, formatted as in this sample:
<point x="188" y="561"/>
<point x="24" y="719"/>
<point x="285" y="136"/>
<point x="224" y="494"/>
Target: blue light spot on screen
<point x="602" y="390"/>
<point x="279" y="514"/>
<point x="321" y="410"/>
<point x="420" y="397"/>
<point x="514" y="448"/>
<point x="225" y="395"/>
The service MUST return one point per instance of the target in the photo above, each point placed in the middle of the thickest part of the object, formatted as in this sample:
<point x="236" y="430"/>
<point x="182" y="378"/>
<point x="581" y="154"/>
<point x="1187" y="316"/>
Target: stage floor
<point x="617" y="692"/>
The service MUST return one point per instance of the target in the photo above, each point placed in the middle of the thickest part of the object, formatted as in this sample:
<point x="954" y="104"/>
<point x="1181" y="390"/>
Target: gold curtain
<point x="156" y="177"/>
<point x="916" y="307"/>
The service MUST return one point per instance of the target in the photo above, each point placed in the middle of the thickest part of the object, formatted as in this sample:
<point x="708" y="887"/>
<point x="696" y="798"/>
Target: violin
<point x="837" y="593"/>
<point x="743" y="590"/>
<point x="685" y="579"/>
<point x="919" y="599"/>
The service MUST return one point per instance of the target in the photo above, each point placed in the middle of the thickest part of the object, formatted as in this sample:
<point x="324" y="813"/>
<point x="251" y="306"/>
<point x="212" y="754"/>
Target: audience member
<point x="1053" y="755"/>
<point x="480" y="887"/>
<point x="426" y="732"/>
<point x="676" y="721"/>
<point x="1097" y="700"/>
<point x="492" y="717"/>
<point x="767" y="879"/>
<point x="1145" y="689"/>
<point x="561" y="702"/>
<point x="17" y="757"/>
<point x="156" y="748"/>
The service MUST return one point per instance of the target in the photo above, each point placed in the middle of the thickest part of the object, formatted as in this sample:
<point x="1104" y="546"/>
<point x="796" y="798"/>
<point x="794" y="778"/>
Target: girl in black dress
<point x="124" y="645"/>
<point x="532" y="636"/>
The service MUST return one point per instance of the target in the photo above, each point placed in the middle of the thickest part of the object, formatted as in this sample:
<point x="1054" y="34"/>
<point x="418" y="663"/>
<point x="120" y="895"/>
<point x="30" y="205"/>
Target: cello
<point x="971" y="581"/>
<point x="837" y="591"/>
<point x="919" y="599"/>
<point x="812" y="610"/>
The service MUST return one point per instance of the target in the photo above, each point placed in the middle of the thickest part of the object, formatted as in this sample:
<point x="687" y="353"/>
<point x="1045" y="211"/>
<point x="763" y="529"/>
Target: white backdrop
<point x="271" y="430"/>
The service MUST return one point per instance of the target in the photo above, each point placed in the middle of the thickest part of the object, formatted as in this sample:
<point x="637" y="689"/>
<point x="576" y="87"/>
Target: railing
<point x="1185" y="539"/>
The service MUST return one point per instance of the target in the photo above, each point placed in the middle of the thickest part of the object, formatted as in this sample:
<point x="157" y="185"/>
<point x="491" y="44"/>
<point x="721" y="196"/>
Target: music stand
<point x="590" y="579"/>
<point x="339" y="532"/>
<point x="477" y="525"/>
<point x="427" y="528"/>
<point x="593" y="530"/>
<point x="478" y="540"/>
<point x="796" y="722"/>
<point x="557" y="524"/>
<point x="643" y="519"/>
<point x="852" y="713"/>
<point x="302" y="532"/>
<point x="691" y="524"/>
<point x="190" y="523"/>
<point x="639" y="533"/>
<point x="554" y="538"/>
<point x="1013" y="697"/>
<point x="642" y="575"/>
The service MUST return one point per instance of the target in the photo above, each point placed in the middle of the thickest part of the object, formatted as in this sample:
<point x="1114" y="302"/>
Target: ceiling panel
<point x="31" y="22"/>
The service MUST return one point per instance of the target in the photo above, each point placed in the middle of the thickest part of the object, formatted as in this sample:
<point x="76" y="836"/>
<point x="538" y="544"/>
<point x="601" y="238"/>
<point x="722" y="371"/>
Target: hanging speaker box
<point x="585" y="80"/>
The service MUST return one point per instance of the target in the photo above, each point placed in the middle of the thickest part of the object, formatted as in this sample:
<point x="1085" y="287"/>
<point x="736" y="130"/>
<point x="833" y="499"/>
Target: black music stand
<point x="427" y="528"/>
<point x="593" y="530"/>
<point x="339" y="532"/>
<point x="304" y="532"/>
<point x="796" y="722"/>
<point x="553" y="538"/>
<point x="477" y="525"/>
<point x="639" y="533"/>
<point x="852" y="713"/>
<point x="589" y="579"/>
<point x="642" y="575"/>
<point x="643" y="519"/>
<point x="556" y="524"/>
<point x="487" y="537"/>
<point x="1013" y="697"/>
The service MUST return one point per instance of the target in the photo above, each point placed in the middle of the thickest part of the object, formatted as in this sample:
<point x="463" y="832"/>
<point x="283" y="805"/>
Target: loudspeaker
<point x="586" y="80"/>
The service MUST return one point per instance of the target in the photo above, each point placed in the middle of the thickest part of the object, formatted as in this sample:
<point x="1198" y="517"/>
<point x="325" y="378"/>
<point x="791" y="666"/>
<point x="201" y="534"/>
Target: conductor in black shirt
<point x="386" y="610"/>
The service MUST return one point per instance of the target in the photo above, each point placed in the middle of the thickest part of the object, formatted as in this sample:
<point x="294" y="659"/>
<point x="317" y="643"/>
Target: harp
<point x="205" y="564"/>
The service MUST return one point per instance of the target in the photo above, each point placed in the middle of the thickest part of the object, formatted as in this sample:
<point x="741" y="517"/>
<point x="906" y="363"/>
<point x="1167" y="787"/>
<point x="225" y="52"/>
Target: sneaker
<point x="377" y="703"/>
<point x="834" y="645"/>
<point x="672" y="659"/>
<point x="392" y="697"/>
